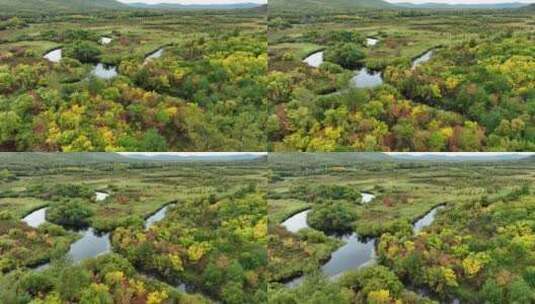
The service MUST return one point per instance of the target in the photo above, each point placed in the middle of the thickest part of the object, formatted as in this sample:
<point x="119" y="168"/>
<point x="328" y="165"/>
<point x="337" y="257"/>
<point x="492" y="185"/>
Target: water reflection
<point x="422" y="59"/>
<point x="367" y="79"/>
<point x="105" y="40"/>
<point x="371" y="41"/>
<point x="156" y="217"/>
<point x="104" y="71"/>
<point x="36" y="218"/>
<point x="156" y="54"/>
<point x="426" y="220"/>
<point x="54" y="55"/>
<point x="314" y="60"/>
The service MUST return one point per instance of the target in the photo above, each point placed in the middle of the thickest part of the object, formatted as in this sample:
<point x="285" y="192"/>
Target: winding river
<point x="54" y="55"/>
<point x="426" y="220"/>
<point x="36" y="218"/>
<point x="101" y="70"/>
<point x="91" y="243"/>
<point x="425" y="57"/>
<point x="356" y="252"/>
<point x="100" y="196"/>
<point x="370" y="41"/>
<point x="105" y="40"/>
<point x="156" y="217"/>
<point x="365" y="78"/>
<point x="156" y="54"/>
<point x="104" y="71"/>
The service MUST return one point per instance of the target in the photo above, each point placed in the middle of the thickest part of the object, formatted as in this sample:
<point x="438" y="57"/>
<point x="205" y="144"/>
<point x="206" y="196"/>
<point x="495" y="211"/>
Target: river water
<point x="356" y="252"/>
<point x="156" y="54"/>
<point x="422" y="59"/>
<point x="100" y="70"/>
<point x="36" y="218"/>
<point x="92" y="243"/>
<point x="100" y="196"/>
<point x="54" y="55"/>
<point x="105" y="40"/>
<point x="363" y="77"/>
<point x="370" y="41"/>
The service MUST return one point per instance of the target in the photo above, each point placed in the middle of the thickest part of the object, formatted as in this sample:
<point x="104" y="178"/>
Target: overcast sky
<point x="463" y="1"/>
<point x="194" y="1"/>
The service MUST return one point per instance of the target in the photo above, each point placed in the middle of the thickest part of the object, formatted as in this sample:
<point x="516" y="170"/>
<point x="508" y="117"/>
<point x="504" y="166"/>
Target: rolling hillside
<point x="211" y="158"/>
<point x="311" y="6"/>
<point x="489" y="157"/>
<point x="311" y="160"/>
<point x="322" y="5"/>
<point x="171" y="6"/>
<point x="9" y="7"/>
<point x="9" y="159"/>
<point x="511" y="5"/>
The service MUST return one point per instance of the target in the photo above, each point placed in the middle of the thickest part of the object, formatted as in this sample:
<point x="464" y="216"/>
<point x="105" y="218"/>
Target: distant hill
<point x="173" y="6"/>
<point x="261" y="8"/>
<point x="330" y="159"/>
<point x="449" y="158"/>
<point x="311" y="6"/>
<point x="292" y="160"/>
<point x="326" y="5"/>
<point x="48" y="160"/>
<point x="58" y="159"/>
<point x="177" y="158"/>
<point x="8" y="7"/>
<point x="431" y="5"/>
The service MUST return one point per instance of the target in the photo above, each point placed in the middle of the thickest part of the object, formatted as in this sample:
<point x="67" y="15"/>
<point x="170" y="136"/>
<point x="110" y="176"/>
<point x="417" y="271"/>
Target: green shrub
<point x="73" y="213"/>
<point x="348" y="55"/>
<point x="84" y="51"/>
<point x="331" y="217"/>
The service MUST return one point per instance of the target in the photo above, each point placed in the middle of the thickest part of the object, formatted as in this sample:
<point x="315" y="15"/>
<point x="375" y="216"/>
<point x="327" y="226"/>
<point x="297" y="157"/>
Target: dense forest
<point x="133" y="81"/>
<point x="401" y="80"/>
<point x="292" y="228"/>
<point x="120" y="230"/>
<point x="381" y="78"/>
<point x="422" y="230"/>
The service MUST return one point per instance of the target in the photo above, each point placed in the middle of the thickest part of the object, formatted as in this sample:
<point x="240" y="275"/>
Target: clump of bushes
<point x="74" y="213"/>
<point x="84" y="51"/>
<point x="332" y="217"/>
<point x="348" y="55"/>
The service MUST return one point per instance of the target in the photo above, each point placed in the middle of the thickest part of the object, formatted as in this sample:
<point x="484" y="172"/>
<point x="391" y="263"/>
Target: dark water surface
<point x="91" y="243"/>
<point x="356" y="252"/>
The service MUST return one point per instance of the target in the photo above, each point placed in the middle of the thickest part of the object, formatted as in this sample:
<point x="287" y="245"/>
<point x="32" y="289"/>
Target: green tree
<point x="153" y="142"/>
<point x="84" y="51"/>
<point x="331" y="217"/>
<point x="348" y="55"/>
<point x="10" y="123"/>
<point x="96" y="294"/>
<point x="73" y="212"/>
<point x="72" y="281"/>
